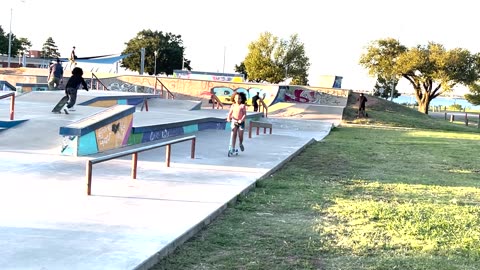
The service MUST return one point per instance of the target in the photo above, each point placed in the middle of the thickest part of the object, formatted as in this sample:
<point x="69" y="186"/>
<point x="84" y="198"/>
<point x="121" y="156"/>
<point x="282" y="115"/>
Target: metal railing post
<point x="192" y="154"/>
<point x="134" y="165"/>
<point x="12" y="107"/>
<point x="89" y="177"/>
<point x="168" y="150"/>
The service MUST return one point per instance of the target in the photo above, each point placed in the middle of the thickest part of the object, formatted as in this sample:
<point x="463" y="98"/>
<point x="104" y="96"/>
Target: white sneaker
<point x="72" y="109"/>
<point x="65" y="109"/>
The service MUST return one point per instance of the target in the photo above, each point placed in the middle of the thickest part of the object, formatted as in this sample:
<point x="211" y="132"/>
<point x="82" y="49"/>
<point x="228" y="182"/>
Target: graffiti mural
<point x="302" y="94"/>
<point x="225" y="93"/>
<point x="114" y="135"/>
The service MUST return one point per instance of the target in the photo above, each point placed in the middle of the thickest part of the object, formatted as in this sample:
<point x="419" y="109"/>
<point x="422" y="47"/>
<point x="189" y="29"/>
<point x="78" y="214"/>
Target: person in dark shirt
<point x="73" y="84"/>
<point x="361" y="105"/>
<point x="55" y="76"/>
<point x="255" y="101"/>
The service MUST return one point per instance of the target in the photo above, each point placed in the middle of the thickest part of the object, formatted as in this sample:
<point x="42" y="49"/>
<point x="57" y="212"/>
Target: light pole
<point x="10" y="38"/>
<point x="155" y="69"/>
<point x="142" y="60"/>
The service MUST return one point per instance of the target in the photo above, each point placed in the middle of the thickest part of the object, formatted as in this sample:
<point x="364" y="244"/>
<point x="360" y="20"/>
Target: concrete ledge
<point x="107" y="101"/>
<point x="97" y="120"/>
<point x="32" y="84"/>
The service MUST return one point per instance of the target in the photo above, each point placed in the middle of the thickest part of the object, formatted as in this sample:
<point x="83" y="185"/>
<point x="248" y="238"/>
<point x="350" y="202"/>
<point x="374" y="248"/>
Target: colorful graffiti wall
<point x="202" y="89"/>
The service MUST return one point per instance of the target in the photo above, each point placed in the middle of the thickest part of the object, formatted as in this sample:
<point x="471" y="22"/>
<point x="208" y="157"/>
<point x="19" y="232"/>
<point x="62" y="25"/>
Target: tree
<point x="24" y="45"/>
<point x="49" y="49"/>
<point x="18" y="45"/>
<point x="273" y="60"/>
<point x="383" y="88"/>
<point x="474" y="97"/>
<point x="169" y="48"/>
<point x="296" y="62"/>
<point x="241" y="69"/>
<point x="431" y="70"/>
<point x="3" y="41"/>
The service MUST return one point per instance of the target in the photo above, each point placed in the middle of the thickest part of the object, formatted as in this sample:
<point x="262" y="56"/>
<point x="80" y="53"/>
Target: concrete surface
<point x="48" y="222"/>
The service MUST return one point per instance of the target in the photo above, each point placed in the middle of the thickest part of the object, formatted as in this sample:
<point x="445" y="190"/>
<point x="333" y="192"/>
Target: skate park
<point x="50" y="222"/>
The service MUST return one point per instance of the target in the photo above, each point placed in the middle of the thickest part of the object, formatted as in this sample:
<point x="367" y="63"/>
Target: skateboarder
<point x="237" y="116"/>
<point x="72" y="87"/>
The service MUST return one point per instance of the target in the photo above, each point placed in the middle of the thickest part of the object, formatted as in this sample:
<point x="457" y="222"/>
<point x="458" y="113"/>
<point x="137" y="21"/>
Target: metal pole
<point x="168" y="151"/>
<point x="155" y="70"/>
<point x="89" y="177"/>
<point x="10" y="38"/>
<point x="12" y="107"/>
<point x="142" y="60"/>
<point x="134" y="165"/>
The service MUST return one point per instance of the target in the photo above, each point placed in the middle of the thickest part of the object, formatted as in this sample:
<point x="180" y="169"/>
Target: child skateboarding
<point x="73" y="84"/>
<point x="237" y="116"/>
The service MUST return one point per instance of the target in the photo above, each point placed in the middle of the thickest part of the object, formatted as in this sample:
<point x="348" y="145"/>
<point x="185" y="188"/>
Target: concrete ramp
<point x="305" y="111"/>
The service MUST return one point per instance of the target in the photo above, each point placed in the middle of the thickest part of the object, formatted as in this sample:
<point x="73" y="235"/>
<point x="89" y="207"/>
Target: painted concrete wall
<point x="202" y="89"/>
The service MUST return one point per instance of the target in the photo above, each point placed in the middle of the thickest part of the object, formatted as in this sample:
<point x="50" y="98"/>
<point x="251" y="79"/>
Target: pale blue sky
<point x="334" y="32"/>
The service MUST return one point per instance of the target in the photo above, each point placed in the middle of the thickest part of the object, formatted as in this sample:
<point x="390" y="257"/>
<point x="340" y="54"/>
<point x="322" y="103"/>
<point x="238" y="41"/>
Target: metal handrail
<point x="134" y="153"/>
<point x="12" y="103"/>
<point x="215" y="99"/>
<point x="98" y="82"/>
<point x="264" y="107"/>
<point x="162" y="88"/>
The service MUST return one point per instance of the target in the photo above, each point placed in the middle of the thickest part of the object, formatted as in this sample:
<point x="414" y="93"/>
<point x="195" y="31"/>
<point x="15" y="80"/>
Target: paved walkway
<point x="48" y="222"/>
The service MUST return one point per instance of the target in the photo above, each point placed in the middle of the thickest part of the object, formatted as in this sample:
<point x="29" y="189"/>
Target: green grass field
<point x="399" y="190"/>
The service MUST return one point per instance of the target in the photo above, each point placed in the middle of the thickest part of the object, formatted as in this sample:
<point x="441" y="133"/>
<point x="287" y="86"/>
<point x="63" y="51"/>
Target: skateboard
<point x="232" y="151"/>
<point x="60" y="104"/>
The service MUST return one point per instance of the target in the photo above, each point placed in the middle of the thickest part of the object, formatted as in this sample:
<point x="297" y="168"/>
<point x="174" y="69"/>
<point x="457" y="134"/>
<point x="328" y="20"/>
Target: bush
<point x="455" y="107"/>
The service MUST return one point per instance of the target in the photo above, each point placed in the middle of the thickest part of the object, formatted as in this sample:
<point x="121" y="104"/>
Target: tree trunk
<point x="423" y="100"/>
<point x="423" y="104"/>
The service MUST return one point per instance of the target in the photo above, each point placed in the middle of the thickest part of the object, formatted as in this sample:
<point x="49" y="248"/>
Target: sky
<point x="216" y="33"/>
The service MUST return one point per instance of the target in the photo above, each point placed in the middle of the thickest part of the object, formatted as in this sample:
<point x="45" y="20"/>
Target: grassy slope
<point x="400" y="191"/>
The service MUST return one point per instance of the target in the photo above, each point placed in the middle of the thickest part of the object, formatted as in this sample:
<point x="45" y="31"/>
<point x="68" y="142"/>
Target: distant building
<point x="34" y="53"/>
